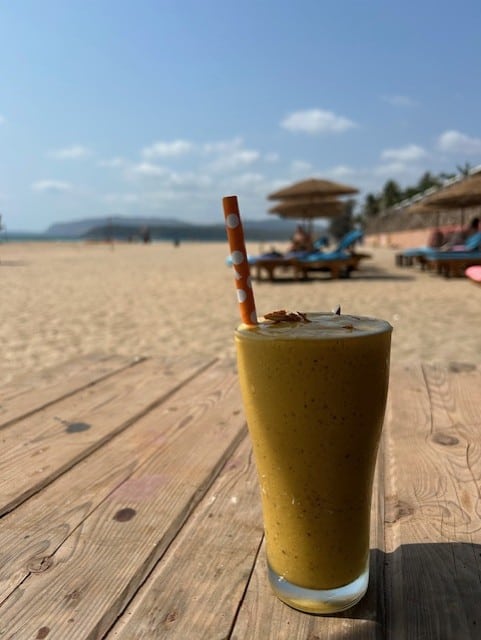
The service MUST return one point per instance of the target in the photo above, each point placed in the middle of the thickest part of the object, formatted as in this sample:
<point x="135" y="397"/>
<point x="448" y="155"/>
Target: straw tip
<point x="230" y="204"/>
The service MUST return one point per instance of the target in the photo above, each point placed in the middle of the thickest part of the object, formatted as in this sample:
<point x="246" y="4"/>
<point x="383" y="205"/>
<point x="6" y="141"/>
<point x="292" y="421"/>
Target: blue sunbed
<point x="342" y="258"/>
<point x="423" y="253"/>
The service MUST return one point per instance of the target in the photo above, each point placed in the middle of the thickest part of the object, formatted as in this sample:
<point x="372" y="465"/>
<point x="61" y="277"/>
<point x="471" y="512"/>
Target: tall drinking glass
<point x="314" y="390"/>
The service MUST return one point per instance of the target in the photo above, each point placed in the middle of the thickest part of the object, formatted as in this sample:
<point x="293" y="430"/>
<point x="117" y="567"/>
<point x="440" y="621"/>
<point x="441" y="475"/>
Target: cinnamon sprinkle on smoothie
<point x="286" y="316"/>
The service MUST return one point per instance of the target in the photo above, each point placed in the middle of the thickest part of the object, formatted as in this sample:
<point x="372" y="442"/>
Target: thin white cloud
<point x="51" y="186"/>
<point x="3" y="120"/>
<point x="272" y="157"/>
<point x="169" y="179"/>
<point x="456" y="142"/>
<point x="189" y="180"/>
<point x="342" y="171"/>
<point x="70" y="153"/>
<point x="167" y="149"/>
<point x="315" y="121"/>
<point x="223" y="146"/>
<point x="240" y="158"/>
<point x="395" y="169"/>
<point x="113" y="163"/>
<point x="231" y="157"/>
<point x="149" y="170"/>
<point x="400" y="101"/>
<point x="251" y="180"/>
<point x="404" y="154"/>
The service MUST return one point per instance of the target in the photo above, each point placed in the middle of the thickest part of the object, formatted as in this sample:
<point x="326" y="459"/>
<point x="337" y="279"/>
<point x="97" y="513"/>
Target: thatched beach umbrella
<point x="312" y="188"/>
<point x="308" y="209"/>
<point x="464" y="194"/>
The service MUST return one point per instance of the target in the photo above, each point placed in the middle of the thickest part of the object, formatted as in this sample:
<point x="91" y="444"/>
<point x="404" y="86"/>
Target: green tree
<point x="409" y="192"/>
<point x="446" y="176"/>
<point x="427" y="180"/>
<point x="391" y="194"/>
<point x="371" y="206"/>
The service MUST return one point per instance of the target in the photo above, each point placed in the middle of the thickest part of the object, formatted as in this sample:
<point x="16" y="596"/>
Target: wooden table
<point x="129" y="509"/>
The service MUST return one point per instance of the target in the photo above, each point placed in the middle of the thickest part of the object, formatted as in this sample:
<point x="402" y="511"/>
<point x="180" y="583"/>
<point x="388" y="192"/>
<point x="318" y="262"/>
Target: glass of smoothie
<point x="314" y="389"/>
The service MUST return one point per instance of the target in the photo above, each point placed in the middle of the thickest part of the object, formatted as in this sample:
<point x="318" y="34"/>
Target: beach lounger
<point x="455" y="263"/>
<point x="341" y="261"/>
<point x="348" y="241"/>
<point x="269" y="263"/>
<point x="337" y="263"/>
<point x="421" y="254"/>
<point x="415" y="255"/>
<point x="408" y="257"/>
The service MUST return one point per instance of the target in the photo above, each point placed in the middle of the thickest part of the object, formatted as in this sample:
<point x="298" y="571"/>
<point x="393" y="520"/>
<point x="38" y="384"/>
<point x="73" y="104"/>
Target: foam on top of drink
<point x="313" y="325"/>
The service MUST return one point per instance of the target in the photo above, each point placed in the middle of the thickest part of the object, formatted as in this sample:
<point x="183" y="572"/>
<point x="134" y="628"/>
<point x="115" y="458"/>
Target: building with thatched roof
<point x="411" y="222"/>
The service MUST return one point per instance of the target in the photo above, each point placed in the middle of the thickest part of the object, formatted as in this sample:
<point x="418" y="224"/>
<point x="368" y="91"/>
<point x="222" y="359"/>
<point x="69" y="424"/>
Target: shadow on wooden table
<point x="429" y="590"/>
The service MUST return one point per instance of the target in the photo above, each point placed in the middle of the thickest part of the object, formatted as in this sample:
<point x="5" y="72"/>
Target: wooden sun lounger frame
<point x="337" y="266"/>
<point x="403" y="260"/>
<point x="451" y="266"/>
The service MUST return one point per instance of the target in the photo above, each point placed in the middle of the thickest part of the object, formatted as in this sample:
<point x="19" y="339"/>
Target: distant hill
<point x="124" y="228"/>
<point x="78" y="228"/>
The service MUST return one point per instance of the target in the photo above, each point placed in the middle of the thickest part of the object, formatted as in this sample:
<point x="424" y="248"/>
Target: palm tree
<point x="465" y="169"/>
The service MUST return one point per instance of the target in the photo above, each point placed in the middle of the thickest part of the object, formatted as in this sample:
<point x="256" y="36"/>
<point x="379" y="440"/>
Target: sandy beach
<point x="61" y="300"/>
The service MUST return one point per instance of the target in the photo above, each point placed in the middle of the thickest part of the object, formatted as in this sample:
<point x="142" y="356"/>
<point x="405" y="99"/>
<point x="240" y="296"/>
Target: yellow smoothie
<point x="314" y="393"/>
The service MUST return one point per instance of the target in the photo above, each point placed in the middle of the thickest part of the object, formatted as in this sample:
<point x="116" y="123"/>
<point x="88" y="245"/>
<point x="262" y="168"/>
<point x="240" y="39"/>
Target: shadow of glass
<point x="428" y="591"/>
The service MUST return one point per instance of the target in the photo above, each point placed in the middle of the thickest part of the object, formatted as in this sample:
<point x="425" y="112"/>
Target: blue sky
<point x="162" y="107"/>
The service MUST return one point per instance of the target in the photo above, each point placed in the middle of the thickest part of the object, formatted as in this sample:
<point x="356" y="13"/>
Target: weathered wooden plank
<point x="195" y="591"/>
<point x="39" y="448"/>
<point x="262" y="615"/>
<point x="89" y="578"/>
<point x="48" y="517"/>
<point x="433" y="506"/>
<point x="35" y="391"/>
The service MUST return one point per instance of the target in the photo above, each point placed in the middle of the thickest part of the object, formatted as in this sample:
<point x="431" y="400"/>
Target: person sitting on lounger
<point x="301" y="240"/>
<point x="460" y="237"/>
<point x="472" y="229"/>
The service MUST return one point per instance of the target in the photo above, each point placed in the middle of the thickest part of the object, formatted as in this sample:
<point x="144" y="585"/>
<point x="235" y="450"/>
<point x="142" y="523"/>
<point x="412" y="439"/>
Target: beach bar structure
<point x="411" y="222"/>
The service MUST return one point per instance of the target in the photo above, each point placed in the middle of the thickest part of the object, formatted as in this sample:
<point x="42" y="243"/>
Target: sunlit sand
<point x="59" y="300"/>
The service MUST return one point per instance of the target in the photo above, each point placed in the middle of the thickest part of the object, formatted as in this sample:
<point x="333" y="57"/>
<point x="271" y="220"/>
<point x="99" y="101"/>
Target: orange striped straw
<point x="243" y="283"/>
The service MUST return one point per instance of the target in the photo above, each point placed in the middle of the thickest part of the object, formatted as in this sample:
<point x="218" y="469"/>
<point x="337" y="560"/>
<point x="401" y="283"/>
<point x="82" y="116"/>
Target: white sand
<point x="62" y="300"/>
